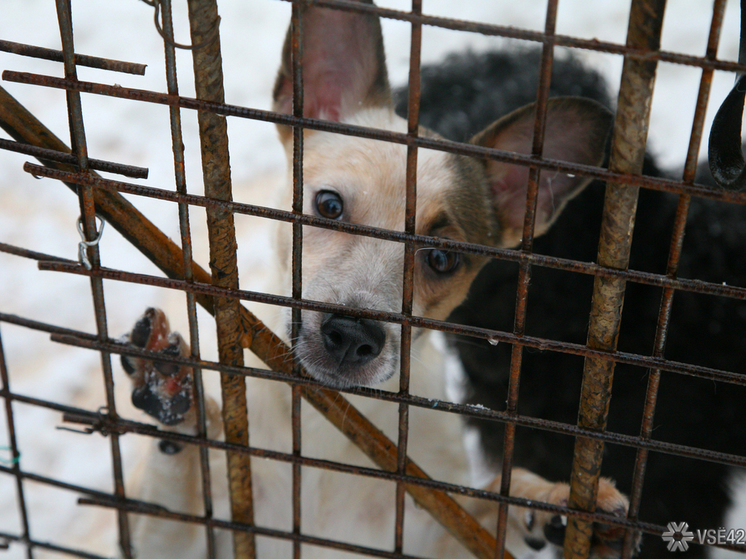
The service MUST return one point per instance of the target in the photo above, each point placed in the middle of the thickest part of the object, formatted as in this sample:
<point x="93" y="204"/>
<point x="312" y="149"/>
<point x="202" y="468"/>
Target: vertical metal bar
<point x="620" y="205"/>
<point x="88" y="211"/>
<point x="677" y="240"/>
<point x="413" y="121"/>
<point x="524" y="271"/>
<point x="186" y="244"/>
<point x="15" y="453"/>
<point x="297" y="256"/>
<point x="208" y="78"/>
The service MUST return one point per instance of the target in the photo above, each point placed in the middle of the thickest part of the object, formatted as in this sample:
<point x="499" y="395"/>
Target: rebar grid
<point x="199" y="288"/>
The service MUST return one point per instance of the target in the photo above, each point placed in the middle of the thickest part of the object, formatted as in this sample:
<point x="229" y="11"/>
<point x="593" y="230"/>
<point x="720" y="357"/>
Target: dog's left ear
<point x="576" y="131"/>
<point x="344" y="68"/>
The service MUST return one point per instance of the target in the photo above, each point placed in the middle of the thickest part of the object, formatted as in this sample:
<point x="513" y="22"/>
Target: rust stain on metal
<point x="208" y="78"/>
<point x="620" y="205"/>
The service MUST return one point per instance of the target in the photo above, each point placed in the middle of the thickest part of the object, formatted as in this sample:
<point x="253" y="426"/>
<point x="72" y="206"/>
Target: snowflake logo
<point x="678" y="536"/>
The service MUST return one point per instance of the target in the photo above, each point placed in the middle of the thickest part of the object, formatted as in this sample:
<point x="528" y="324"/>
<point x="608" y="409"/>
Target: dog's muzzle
<point x="351" y="342"/>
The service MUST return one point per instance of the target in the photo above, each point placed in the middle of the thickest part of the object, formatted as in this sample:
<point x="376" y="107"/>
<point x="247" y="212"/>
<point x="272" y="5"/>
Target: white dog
<point x="363" y="181"/>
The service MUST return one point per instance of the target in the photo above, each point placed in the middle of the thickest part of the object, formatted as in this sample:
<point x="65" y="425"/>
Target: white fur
<point x="735" y="518"/>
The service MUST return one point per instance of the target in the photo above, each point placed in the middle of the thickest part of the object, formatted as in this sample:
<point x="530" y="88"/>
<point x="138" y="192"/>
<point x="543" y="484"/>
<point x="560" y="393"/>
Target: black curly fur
<point x="462" y="96"/>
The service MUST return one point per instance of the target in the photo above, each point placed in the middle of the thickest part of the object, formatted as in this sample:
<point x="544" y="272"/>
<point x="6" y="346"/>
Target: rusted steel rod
<point x="677" y="239"/>
<point x="524" y="269"/>
<point x="80" y="59"/>
<point x="69" y="159"/>
<point x="236" y="527"/>
<point x="15" y="455"/>
<point x="527" y="35"/>
<point x="86" y="201"/>
<point x="36" y="544"/>
<point x="627" y="154"/>
<point x="665" y="185"/>
<point x="296" y="258"/>
<point x="410" y="249"/>
<point x="177" y="143"/>
<point x="213" y="133"/>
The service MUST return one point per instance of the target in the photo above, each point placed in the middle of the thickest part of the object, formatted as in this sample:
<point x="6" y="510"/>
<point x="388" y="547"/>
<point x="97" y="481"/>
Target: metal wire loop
<point x="83" y="245"/>
<point x="156" y="4"/>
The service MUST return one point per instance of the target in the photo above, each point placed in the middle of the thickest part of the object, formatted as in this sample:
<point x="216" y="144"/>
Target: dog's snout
<point x="352" y="341"/>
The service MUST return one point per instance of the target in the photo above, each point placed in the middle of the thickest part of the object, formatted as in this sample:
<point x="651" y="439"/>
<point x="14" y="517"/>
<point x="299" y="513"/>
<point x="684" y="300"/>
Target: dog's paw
<point x="161" y="389"/>
<point x="607" y="539"/>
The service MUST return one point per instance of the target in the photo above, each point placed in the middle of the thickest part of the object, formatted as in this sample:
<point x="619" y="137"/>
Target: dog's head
<point x="363" y="181"/>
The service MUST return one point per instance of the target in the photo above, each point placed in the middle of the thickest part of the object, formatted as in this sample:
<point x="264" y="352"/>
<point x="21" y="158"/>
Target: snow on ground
<point x="41" y="214"/>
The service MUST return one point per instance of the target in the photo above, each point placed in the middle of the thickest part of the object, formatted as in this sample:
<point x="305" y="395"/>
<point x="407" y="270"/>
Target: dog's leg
<point x="530" y="530"/>
<point x="170" y="474"/>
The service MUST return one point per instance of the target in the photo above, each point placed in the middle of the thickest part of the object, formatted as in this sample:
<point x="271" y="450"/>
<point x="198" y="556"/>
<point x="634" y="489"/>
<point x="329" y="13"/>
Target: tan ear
<point x="577" y="130"/>
<point x="344" y="67"/>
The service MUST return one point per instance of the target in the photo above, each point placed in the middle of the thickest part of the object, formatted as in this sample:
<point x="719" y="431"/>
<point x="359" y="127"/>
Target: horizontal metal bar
<point x="132" y="507"/>
<point x="33" y="255"/>
<point x="136" y="507"/>
<point x="42" y="326"/>
<point x="53" y="482"/>
<point x="398" y="318"/>
<point x="527" y="35"/>
<point x="113" y="346"/>
<point x="69" y="159"/>
<point x="653" y="183"/>
<point x="31" y="543"/>
<point x="80" y="59"/>
<point x="646" y="278"/>
<point x="246" y="528"/>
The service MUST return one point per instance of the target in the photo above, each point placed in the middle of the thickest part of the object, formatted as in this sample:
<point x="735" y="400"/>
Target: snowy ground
<point x="41" y="215"/>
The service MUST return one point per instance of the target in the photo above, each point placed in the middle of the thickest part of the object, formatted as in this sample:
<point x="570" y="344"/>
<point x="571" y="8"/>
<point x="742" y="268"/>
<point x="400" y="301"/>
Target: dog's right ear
<point x="576" y="131"/>
<point x="344" y="68"/>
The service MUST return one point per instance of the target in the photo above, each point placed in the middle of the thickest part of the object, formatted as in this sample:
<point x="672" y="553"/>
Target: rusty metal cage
<point x="84" y="334"/>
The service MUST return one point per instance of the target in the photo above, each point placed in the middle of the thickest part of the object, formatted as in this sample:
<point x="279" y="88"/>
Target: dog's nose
<point x="352" y="341"/>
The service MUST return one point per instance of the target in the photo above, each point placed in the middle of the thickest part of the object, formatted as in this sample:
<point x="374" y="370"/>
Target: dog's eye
<point x="443" y="261"/>
<point x="329" y="204"/>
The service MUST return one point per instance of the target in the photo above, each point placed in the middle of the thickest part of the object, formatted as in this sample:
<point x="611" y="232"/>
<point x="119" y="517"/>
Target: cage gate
<point x="218" y="291"/>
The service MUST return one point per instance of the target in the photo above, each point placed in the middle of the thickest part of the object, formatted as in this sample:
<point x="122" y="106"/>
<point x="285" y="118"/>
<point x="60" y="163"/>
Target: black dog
<point x="458" y="98"/>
